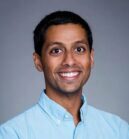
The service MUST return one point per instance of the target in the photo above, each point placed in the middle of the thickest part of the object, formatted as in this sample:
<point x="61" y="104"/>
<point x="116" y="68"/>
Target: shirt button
<point x="66" y="116"/>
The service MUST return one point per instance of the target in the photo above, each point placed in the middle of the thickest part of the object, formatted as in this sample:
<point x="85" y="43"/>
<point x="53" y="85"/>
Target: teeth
<point x="69" y="74"/>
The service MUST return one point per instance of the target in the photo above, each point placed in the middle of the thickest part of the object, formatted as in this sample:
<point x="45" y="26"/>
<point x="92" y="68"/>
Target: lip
<point x="68" y="75"/>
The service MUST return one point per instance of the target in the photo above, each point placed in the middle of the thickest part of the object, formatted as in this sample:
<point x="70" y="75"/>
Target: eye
<point x="56" y="51"/>
<point x="80" y="50"/>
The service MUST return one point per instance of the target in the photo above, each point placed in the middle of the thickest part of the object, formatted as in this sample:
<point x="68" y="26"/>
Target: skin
<point x="66" y="62"/>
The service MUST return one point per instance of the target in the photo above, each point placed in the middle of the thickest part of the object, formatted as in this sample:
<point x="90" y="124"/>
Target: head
<point x="58" y="18"/>
<point x="63" y="51"/>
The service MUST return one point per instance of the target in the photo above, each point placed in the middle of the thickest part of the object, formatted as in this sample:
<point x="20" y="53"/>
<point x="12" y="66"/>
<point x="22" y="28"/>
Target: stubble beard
<point x="62" y="91"/>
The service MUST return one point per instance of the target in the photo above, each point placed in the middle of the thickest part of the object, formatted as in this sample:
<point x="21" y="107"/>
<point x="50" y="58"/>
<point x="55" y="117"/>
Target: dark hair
<point x="58" y="18"/>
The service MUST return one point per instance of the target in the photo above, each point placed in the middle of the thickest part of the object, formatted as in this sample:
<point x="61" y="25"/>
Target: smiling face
<point x="66" y="59"/>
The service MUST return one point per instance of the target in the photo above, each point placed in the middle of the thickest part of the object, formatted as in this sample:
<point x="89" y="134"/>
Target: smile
<point x="69" y="74"/>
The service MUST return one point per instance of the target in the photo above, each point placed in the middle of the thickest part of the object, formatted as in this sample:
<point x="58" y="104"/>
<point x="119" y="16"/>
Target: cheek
<point x="50" y="66"/>
<point x="85" y="62"/>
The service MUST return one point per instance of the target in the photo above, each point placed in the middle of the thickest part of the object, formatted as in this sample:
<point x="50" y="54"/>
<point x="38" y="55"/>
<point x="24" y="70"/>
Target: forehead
<point x="69" y="32"/>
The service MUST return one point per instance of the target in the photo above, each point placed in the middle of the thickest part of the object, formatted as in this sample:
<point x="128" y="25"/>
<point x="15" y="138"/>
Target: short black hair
<point x="58" y="18"/>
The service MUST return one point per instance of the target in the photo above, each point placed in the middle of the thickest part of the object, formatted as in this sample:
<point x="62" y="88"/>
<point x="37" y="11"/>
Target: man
<point x="64" y="53"/>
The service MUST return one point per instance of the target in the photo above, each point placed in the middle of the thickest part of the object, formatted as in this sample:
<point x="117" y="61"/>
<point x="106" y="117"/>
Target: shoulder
<point x="19" y="124"/>
<point x="108" y="121"/>
<point x="106" y="116"/>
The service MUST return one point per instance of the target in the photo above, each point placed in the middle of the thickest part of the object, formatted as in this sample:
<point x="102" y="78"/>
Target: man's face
<point x="66" y="59"/>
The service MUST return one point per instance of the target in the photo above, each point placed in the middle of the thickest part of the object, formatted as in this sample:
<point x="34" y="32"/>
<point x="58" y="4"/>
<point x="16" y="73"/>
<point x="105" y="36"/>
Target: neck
<point x="71" y="103"/>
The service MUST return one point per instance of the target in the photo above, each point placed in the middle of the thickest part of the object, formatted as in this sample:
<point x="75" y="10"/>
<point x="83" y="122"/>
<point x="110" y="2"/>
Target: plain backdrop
<point x="21" y="84"/>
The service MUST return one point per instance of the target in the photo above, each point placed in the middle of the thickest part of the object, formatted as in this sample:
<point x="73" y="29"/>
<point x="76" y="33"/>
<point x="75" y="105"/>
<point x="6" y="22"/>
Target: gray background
<point x="21" y="84"/>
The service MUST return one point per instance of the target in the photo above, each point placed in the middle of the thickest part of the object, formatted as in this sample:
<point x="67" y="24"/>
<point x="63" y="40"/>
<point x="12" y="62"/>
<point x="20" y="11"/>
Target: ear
<point x="92" y="58"/>
<point x="37" y="62"/>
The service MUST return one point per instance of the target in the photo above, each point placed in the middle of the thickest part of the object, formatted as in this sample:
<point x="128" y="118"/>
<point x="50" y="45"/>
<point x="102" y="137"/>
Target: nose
<point x="69" y="59"/>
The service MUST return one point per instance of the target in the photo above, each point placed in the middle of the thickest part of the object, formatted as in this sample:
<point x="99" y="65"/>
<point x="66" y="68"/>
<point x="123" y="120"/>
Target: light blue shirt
<point x="49" y="120"/>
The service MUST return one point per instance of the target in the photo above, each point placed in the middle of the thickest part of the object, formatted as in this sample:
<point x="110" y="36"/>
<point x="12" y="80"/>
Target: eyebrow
<point x="54" y="43"/>
<point x="50" y="44"/>
<point x="82" y="42"/>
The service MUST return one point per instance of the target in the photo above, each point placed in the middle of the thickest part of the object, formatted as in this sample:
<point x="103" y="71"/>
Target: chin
<point x="71" y="91"/>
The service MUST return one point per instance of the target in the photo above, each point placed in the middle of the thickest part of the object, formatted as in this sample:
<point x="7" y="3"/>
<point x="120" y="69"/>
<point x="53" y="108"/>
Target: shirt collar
<point x="57" y="112"/>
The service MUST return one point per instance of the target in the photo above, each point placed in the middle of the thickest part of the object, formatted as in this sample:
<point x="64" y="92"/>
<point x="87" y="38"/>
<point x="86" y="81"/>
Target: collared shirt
<point x="49" y="120"/>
